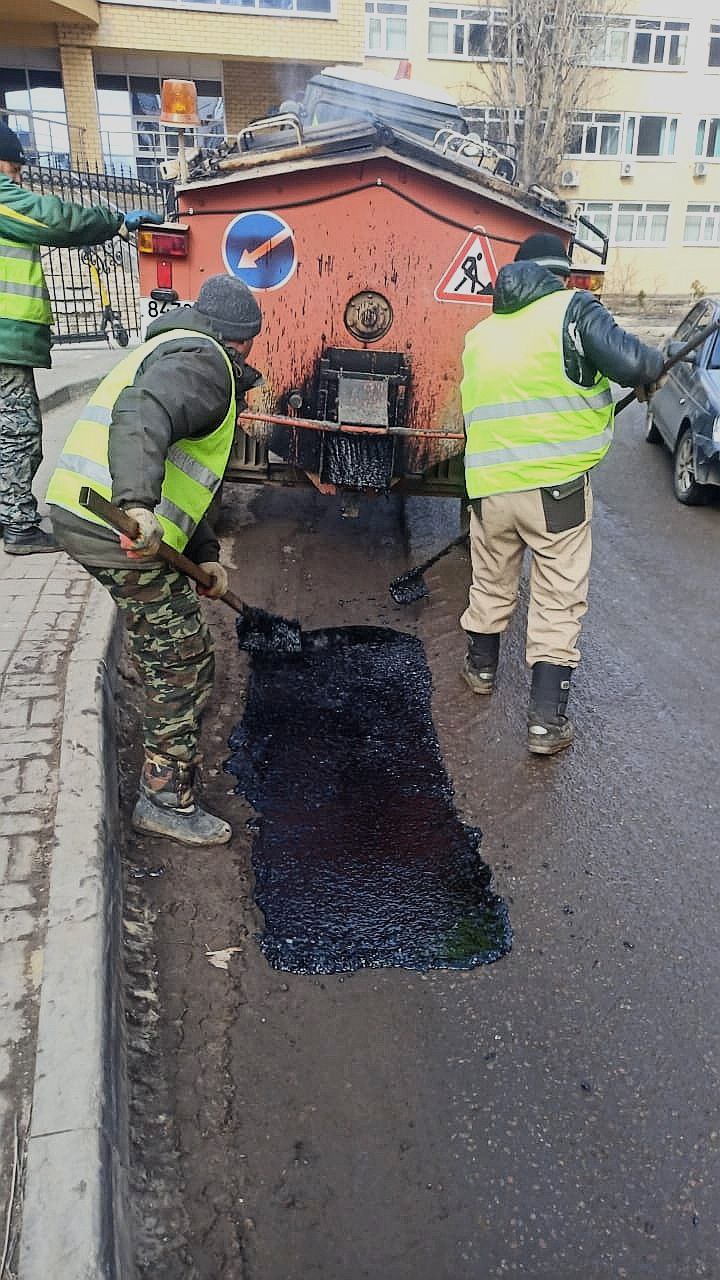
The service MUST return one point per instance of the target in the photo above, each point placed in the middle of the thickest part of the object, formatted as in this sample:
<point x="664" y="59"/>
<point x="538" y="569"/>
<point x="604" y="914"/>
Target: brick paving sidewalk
<point x="41" y="602"/>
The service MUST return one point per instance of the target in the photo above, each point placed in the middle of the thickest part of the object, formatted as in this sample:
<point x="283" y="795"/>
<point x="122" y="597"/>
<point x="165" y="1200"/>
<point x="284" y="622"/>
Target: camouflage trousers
<point x="173" y="649"/>
<point x="20" y="446"/>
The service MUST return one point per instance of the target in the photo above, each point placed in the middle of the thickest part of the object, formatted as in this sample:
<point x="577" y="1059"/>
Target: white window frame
<point x="709" y="215"/>
<point x="713" y="35"/>
<point x="642" y="212"/>
<point x="492" y="16"/>
<point x="701" y="152"/>
<point x="376" y="11"/>
<point x="598" y="120"/>
<point x="631" y="128"/>
<point x="260" y="8"/>
<point x="633" y="25"/>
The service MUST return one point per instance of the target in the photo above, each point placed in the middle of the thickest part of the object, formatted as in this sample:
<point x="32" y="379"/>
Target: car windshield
<point x="714" y="361"/>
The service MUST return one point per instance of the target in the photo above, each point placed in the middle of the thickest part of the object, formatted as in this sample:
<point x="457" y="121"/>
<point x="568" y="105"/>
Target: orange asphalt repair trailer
<point x="372" y="252"/>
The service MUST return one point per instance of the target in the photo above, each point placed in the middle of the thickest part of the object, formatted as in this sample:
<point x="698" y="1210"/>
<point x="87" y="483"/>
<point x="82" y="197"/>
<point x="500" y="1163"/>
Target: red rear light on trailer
<point x="586" y="278"/>
<point x="169" y="244"/>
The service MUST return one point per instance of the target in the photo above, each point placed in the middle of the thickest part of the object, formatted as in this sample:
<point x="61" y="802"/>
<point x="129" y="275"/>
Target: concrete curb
<point x="71" y="391"/>
<point x="74" y="1214"/>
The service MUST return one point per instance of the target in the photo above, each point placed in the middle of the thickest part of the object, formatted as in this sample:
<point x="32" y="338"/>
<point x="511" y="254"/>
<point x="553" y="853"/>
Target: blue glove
<point x="134" y="217"/>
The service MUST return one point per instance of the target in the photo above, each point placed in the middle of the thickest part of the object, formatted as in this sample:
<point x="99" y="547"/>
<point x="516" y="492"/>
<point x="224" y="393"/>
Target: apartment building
<point x="82" y="78"/>
<point x="643" y="159"/>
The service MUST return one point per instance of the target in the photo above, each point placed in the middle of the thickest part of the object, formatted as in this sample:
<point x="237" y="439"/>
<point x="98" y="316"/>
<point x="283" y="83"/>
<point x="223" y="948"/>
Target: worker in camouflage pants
<point x="20" y="452"/>
<point x="173" y="649"/>
<point x="156" y="436"/>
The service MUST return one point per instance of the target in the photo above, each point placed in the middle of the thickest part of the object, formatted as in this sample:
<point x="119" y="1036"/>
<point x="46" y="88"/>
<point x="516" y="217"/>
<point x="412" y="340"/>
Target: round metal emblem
<point x="368" y="316"/>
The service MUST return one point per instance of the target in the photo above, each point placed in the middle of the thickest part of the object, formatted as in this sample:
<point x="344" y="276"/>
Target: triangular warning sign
<point x="472" y="273"/>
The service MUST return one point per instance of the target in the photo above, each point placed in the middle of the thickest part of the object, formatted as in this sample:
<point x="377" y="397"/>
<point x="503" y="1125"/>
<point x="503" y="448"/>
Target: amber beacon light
<point x="178" y="104"/>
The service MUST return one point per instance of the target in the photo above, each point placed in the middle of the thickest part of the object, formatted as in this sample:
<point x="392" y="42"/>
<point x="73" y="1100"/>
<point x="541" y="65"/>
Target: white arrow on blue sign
<point x="259" y="248"/>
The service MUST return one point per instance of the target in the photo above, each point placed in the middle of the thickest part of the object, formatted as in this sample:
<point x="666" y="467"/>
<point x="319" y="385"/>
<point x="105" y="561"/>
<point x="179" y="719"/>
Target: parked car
<point x="685" y="413"/>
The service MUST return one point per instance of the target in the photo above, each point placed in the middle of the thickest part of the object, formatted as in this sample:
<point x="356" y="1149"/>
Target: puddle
<point x="359" y="856"/>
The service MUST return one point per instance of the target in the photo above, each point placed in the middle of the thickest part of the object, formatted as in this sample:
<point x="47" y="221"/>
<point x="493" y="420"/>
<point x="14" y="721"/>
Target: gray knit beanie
<point x="230" y="307"/>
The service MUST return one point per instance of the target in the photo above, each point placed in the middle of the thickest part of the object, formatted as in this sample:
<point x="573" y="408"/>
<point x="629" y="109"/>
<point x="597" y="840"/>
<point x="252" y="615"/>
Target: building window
<point x="493" y="124"/>
<point x="637" y="223"/>
<point x="595" y="133"/>
<point x="628" y="222"/>
<point x="32" y="103"/>
<point x="707" y="142"/>
<point x="279" y="7"/>
<point x="129" y="115"/>
<point x="702" y="224"/>
<point x="650" y="136"/>
<point x="473" y="34"/>
<point x="638" y="42"/>
<point x="385" y="28"/>
<point x="714" y="50"/>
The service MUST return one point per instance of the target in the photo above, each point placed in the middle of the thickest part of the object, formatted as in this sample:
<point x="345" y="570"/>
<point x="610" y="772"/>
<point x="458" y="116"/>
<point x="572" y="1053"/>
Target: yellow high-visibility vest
<point x="193" y="469"/>
<point x="23" y="291"/>
<point x="527" y="424"/>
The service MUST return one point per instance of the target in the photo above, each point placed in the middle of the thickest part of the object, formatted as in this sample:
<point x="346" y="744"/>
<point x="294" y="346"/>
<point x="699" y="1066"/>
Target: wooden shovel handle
<point x="118" y="519"/>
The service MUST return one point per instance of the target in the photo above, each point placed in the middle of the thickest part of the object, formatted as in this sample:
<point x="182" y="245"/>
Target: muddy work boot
<point x="481" y="660"/>
<point x="166" y="805"/>
<point x="549" y="729"/>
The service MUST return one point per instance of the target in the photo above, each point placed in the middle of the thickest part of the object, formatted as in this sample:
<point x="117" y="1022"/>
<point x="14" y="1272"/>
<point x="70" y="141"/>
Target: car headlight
<point x="716" y="431"/>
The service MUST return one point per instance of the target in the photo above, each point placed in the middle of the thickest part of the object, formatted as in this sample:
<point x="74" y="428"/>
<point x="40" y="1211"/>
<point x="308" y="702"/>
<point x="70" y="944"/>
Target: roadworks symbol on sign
<point x="472" y="273"/>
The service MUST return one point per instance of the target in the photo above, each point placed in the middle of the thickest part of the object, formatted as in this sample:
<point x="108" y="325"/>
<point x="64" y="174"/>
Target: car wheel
<point x="687" y="489"/>
<point x="652" y="435"/>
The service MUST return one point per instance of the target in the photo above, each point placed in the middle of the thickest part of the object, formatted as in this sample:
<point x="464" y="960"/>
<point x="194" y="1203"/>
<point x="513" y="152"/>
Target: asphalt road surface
<point x="554" y="1115"/>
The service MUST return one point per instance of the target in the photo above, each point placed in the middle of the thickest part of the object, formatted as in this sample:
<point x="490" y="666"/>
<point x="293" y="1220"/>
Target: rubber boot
<point x="481" y="660"/>
<point x="166" y="805"/>
<point x="28" y="542"/>
<point x="549" y="729"/>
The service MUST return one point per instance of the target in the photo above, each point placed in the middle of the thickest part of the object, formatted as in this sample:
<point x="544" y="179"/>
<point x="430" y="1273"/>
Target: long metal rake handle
<point x="679" y="356"/>
<point x="117" y="518"/>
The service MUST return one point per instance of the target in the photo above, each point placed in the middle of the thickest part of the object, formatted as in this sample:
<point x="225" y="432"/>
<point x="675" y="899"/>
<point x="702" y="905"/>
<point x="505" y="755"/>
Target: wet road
<point x="553" y="1115"/>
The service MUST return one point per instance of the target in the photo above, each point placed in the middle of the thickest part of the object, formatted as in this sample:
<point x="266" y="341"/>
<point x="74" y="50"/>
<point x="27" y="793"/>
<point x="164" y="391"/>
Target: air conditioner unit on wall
<point x="627" y="169"/>
<point x="570" y="178"/>
<point x="700" y="170"/>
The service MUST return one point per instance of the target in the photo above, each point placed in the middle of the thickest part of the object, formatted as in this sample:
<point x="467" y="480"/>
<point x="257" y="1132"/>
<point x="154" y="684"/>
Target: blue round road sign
<point x="259" y="248"/>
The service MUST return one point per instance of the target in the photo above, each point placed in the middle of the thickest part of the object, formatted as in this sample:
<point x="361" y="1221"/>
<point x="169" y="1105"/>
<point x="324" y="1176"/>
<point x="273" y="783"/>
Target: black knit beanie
<point x="10" y="146"/>
<point x="231" y="308"/>
<point x="547" y="250"/>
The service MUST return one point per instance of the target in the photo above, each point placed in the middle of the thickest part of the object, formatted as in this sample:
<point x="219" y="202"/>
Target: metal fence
<point x="94" y="290"/>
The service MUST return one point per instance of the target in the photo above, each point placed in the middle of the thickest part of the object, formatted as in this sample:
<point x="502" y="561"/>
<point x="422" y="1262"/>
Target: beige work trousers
<point x="508" y="523"/>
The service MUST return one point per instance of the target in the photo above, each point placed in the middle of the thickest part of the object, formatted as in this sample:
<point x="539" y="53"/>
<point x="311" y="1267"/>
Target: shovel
<point x="411" y="586"/>
<point x="258" y="631"/>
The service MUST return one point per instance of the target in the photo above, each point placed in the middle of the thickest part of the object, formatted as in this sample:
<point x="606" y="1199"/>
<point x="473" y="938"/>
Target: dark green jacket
<point x="30" y="219"/>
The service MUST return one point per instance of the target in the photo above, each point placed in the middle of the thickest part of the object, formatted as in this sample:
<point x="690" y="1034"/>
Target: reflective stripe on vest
<point x="193" y="468"/>
<point x="527" y="423"/>
<point x="23" y="292"/>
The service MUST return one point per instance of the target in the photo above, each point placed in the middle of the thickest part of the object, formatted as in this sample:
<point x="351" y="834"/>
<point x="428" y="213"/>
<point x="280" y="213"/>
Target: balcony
<point x="45" y="11"/>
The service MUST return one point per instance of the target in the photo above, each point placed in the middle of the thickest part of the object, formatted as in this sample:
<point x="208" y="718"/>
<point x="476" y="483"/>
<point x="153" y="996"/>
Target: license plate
<point x="150" y="310"/>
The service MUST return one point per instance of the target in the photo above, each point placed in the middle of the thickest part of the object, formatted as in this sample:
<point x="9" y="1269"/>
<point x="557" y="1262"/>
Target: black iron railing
<point x="94" y="290"/>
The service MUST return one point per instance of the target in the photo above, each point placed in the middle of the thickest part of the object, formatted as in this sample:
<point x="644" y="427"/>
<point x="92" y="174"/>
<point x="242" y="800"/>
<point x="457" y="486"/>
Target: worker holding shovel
<point x="156" y="435"/>
<point x="538" y="417"/>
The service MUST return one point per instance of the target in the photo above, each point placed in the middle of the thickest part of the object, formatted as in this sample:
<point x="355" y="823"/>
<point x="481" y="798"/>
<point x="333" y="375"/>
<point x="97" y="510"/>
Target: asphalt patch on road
<point x="360" y="858"/>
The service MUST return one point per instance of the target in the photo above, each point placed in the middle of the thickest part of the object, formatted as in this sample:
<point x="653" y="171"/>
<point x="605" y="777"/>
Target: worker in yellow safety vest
<point x="538" y="413"/>
<point x="29" y="221"/>
<point x="155" y="438"/>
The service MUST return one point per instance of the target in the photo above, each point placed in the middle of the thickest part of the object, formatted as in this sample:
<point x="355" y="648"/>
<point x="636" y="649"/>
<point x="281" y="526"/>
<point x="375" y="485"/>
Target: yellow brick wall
<point x="81" y="104"/>
<point x="251" y="88"/>
<point x="241" y="35"/>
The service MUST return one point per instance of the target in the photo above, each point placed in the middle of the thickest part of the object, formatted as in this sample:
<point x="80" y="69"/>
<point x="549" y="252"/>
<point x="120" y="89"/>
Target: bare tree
<point x="540" y="75"/>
